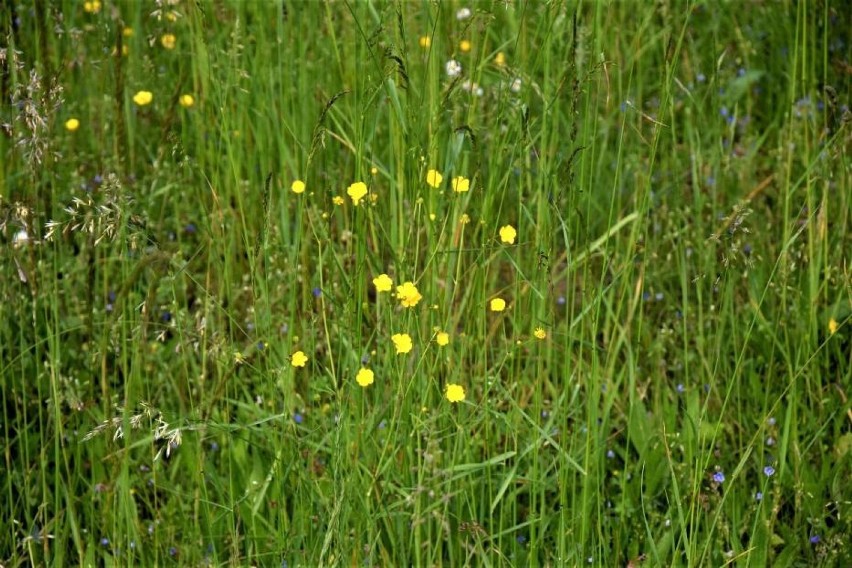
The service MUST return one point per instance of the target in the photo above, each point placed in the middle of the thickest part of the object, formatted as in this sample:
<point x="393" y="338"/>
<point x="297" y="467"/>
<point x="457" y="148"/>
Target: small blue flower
<point x="298" y="418"/>
<point x="771" y="421"/>
<point x="814" y="539"/>
<point x="769" y="471"/>
<point x="610" y="454"/>
<point x="758" y="496"/>
<point x="317" y="292"/>
<point x="680" y="388"/>
<point x="719" y="477"/>
<point x="104" y="541"/>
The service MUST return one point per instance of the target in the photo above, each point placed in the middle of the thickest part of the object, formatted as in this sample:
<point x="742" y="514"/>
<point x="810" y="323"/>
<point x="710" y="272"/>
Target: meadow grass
<point x="659" y="193"/>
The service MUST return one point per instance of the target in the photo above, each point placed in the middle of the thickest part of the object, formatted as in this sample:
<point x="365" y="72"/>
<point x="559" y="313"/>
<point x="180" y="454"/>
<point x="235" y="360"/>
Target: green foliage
<point x="182" y="326"/>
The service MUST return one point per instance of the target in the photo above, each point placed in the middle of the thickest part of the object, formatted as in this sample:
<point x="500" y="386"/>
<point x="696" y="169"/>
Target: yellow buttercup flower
<point x="298" y="359"/>
<point x="298" y="186"/>
<point x="186" y="101"/>
<point x="540" y="333"/>
<point x="143" y="98"/>
<point x="337" y="200"/>
<point x="92" y="7"/>
<point x="425" y="41"/>
<point x="500" y="59"/>
<point x="508" y="234"/>
<point x="402" y="342"/>
<point x="498" y="305"/>
<point x="832" y="326"/>
<point x="461" y="184"/>
<point x="442" y="338"/>
<point x="433" y="178"/>
<point x="357" y="191"/>
<point x="455" y="393"/>
<point x="72" y="124"/>
<point x="464" y="46"/>
<point x="365" y="377"/>
<point x="383" y="283"/>
<point x="168" y="41"/>
<point x="408" y="294"/>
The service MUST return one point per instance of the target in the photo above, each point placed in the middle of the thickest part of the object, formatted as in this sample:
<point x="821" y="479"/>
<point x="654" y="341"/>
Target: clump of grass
<point x="447" y="284"/>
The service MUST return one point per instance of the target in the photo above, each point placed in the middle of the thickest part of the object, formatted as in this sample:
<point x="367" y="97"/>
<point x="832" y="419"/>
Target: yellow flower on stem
<point x="464" y="46"/>
<point x="298" y="186"/>
<point x="365" y="377"/>
<point x="461" y="184"/>
<point x="540" y="333"/>
<point x="186" y="101"/>
<point x="832" y="326"/>
<point x="425" y="41"/>
<point x="337" y="200"/>
<point x="357" y="191"/>
<point x="168" y="41"/>
<point x="442" y="338"/>
<point x="298" y="359"/>
<point x="143" y="98"/>
<point x="498" y="305"/>
<point x="383" y="283"/>
<point x="455" y="393"/>
<point x="508" y="234"/>
<point x="402" y="342"/>
<point x="434" y="178"/>
<point x="72" y="124"/>
<point x="408" y="295"/>
<point x="92" y="7"/>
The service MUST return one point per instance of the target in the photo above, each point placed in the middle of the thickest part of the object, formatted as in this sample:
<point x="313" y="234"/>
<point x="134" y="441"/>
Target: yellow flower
<point x="364" y="377"/>
<point x="508" y="234"/>
<point x="498" y="305"/>
<point x="168" y="41"/>
<point x="357" y="191"/>
<point x="465" y="219"/>
<point x="186" y="101"/>
<point x="143" y="98"/>
<point x="298" y="186"/>
<point x="72" y="124"/>
<point x="298" y="359"/>
<point x="374" y="170"/>
<point x="127" y="32"/>
<point x="337" y="200"/>
<point x="464" y="46"/>
<point x="425" y="41"/>
<point x="500" y="59"/>
<point x="383" y="283"/>
<point x="92" y="7"/>
<point x="455" y="393"/>
<point x="408" y="294"/>
<point x="442" y="338"/>
<point x="433" y="178"/>
<point x="540" y="333"/>
<point x="832" y="326"/>
<point x="402" y="342"/>
<point x="461" y="184"/>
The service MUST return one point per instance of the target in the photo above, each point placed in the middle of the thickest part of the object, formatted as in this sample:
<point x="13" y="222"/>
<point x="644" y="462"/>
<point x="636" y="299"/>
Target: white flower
<point x="463" y="14"/>
<point x="21" y="238"/>
<point x="454" y="68"/>
<point x="516" y="85"/>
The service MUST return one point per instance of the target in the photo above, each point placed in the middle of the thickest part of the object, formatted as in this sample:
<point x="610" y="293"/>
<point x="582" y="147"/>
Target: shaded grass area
<point x="666" y="378"/>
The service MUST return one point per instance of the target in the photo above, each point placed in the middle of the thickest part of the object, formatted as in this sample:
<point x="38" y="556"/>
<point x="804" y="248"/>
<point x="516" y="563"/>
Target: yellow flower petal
<point x="365" y="377"/>
<point x="383" y="283"/>
<point x="143" y="98"/>
<point x="298" y="186"/>
<point x="442" y="338"/>
<point x="461" y="184"/>
<point x="434" y="178"/>
<point x="298" y="359"/>
<point x="72" y="124"/>
<point x="455" y="393"/>
<point x="508" y="234"/>
<point x="498" y="305"/>
<point x="357" y="191"/>
<point x="402" y="342"/>
<point x="408" y="295"/>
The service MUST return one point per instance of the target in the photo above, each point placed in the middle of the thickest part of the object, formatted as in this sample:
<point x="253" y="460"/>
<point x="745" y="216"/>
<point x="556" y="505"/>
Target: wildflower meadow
<point x="425" y="283"/>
